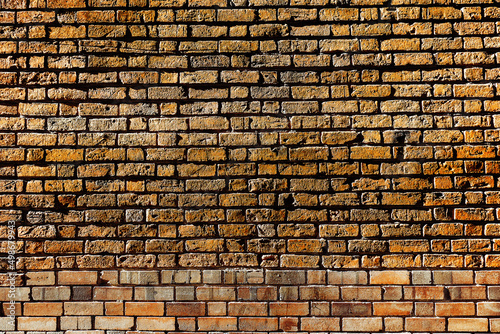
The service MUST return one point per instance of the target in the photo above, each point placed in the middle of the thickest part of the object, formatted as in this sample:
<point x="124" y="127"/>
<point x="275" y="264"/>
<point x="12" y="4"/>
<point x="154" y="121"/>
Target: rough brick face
<point x="250" y="166"/>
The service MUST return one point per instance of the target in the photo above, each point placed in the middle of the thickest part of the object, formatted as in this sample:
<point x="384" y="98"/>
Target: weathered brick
<point x="51" y="293"/>
<point x="361" y="293"/>
<point x="363" y="324"/>
<point x="455" y="309"/>
<point x="465" y="324"/>
<point x="43" y="309"/>
<point x="217" y="323"/>
<point x="425" y="324"/>
<point x="390" y="277"/>
<point x="37" y="323"/>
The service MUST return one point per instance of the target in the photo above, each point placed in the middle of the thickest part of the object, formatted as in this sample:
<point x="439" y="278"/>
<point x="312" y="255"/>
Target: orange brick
<point x="257" y="293"/>
<point x="83" y="308"/>
<point x="361" y="293"/>
<point x="43" y="309"/>
<point x="468" y="324"/>
<point x="454" y="277"/>
<point x="217" y="324"/>
<point x="320" y="324"/>
<point x="216" y="308"/>
<point x="40" y="278"/>
<point x="424" y="292"/>
<point x="467" y="292"/>
<point x="65" y="4"/>
<point x="258" y="324"/>
<point x="487" y="277"/>
<point x="351" y="308"/>
<point x="289" y="324"/>
<point x="488" y="309"/>
<point x="144" y="308"/>
<point x="7" y="309"/>
<point x="247" y="309"/>
<point x="319" y="293"/>
<point x="362" y="324"/>
<point x="37" y="323"/>
<point x="113" y="293"/>
<point x="113" y="308"/>
<point x="288" y="309"/>
<point x="180" y="309"/>
<point x="393" y="308"/>
<point x="495" y="325"/>
<point x="216" y="293"/>
<point x="297" y="218"/>
<point x="455" y="309"/>
<point x="77" y="277"/>
<point x="425" y="324"/>
<point x="347" y="277"/>
<point x="114" y="323"/>
<point x="390" y="277"/>
<point x="155" y="324"/>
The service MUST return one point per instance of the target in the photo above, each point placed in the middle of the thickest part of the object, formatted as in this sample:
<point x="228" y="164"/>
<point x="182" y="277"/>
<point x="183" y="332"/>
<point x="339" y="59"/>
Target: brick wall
<point x="250" y="165"/>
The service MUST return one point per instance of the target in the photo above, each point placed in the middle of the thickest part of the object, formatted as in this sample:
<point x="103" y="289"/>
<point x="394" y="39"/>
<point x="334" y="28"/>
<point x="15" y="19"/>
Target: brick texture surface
<point x="249" y="166"/>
